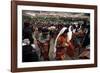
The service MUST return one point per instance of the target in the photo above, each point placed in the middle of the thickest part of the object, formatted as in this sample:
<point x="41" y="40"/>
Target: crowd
<point x="55" y="42"/>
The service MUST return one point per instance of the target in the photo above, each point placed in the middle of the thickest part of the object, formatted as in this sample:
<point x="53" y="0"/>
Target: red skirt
<point x="70" y="50"/>
<point x="60" y="53"/>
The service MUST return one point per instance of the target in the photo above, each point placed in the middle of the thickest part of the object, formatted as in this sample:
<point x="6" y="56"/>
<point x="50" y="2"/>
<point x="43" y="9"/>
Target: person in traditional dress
<point x="52" y="32"/>
<point x="43" y="43"/>
<point x="63" y="44"/>
<point x="35" y="35"/>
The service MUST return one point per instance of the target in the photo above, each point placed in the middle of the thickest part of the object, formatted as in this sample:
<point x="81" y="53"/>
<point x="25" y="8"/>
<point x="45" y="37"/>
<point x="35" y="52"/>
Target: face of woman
<point x="65" y="34"/>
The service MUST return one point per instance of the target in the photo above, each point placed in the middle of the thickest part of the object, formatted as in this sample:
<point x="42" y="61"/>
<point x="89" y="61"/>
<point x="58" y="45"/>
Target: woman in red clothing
<point x="64" y="47"/>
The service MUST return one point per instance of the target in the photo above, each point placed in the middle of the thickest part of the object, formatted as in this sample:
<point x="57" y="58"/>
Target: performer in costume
<point x="63" y="44"/>
<point x="43" y="43"/>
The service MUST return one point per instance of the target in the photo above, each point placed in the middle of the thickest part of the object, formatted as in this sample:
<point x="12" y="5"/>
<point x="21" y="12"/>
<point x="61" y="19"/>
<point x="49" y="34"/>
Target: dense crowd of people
<point x="55" y="42"/>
